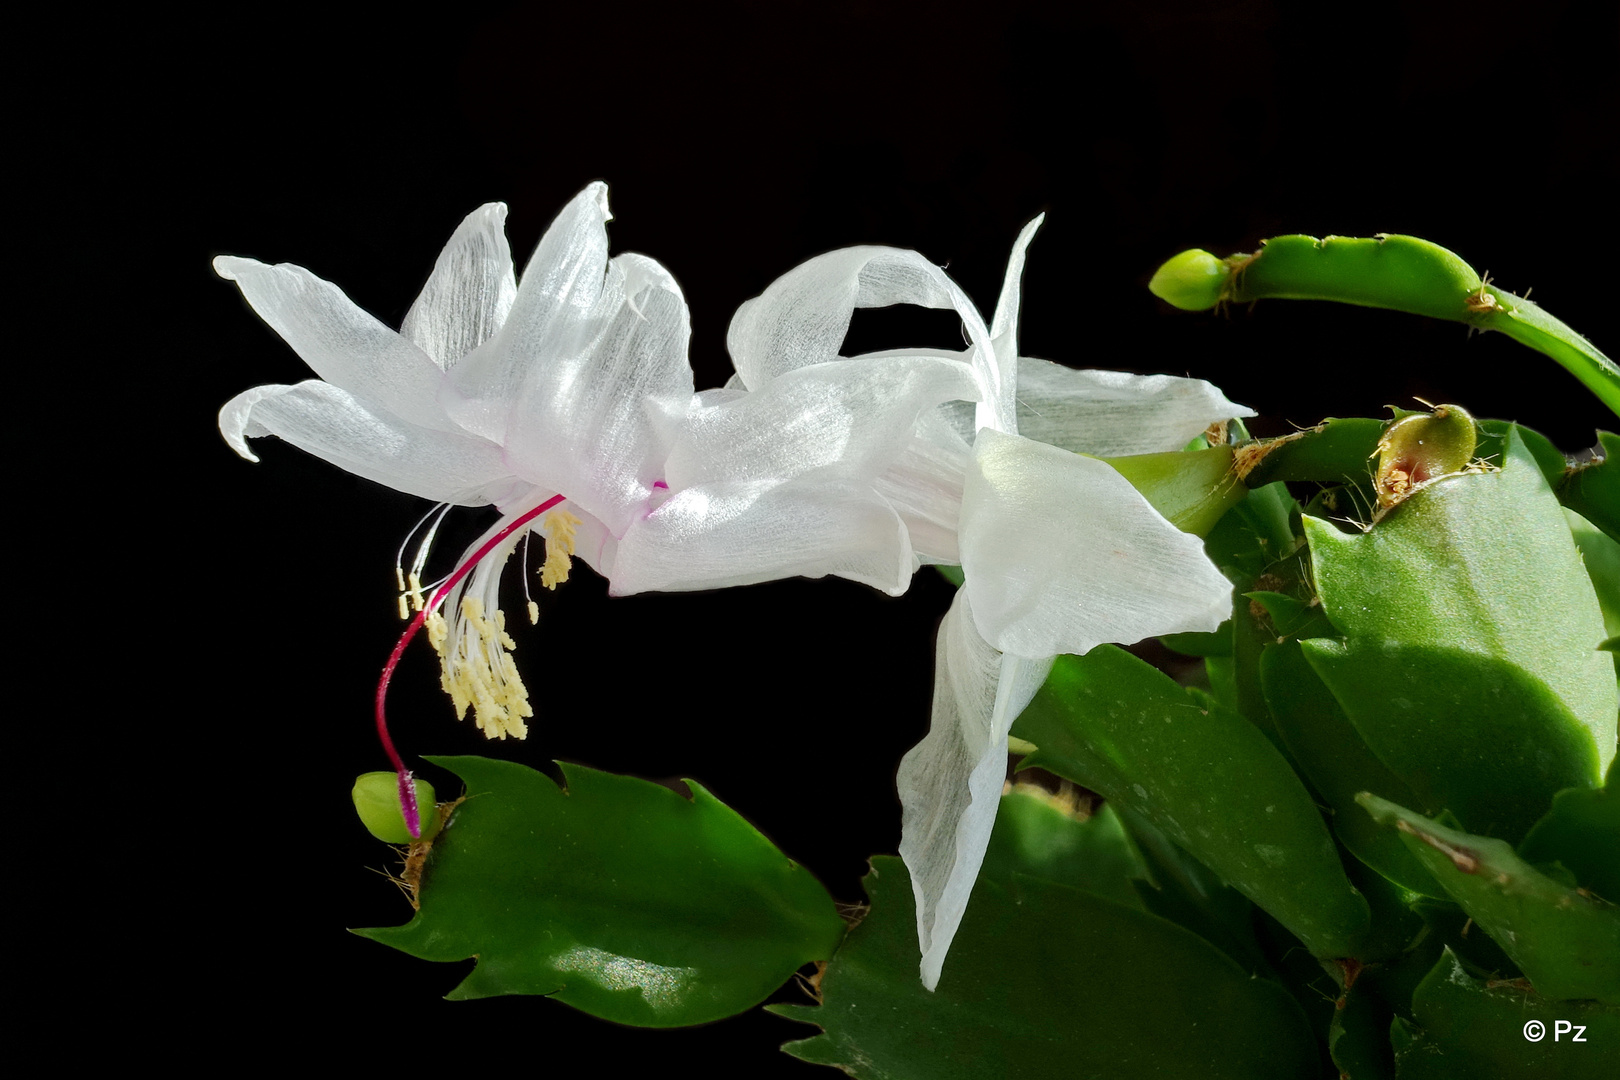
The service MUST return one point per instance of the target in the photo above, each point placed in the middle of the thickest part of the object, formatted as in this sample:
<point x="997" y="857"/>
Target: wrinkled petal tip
<point x="597" y="191"/>
<point x="231" y="267"/>
<point x="492" y="212"/>
<point x="233" y="419"/>
<point x="929" y="970"/>
<point x="1238" y="411"/>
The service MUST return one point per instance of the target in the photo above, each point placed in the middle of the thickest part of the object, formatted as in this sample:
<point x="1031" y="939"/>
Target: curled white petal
<point x="336" y="426"/>
<point x="801" y="319"/>
<point x="1061" y="554"/>
<point x="950" y="783"/>
<point x="341" y="343"/>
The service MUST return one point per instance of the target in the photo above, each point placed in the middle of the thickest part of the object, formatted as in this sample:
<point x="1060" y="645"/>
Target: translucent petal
<point x="342" y="344"/>
<point x="596" y="423"/>
<point x="924" y="485"/>
<point x="553" y="318"/>
<point x="1062" y="554"/>
<point x="470" y="292"/>
<point x="1113" y="414"/>
<point x="1004" y="337"/>
<point x="1005" y="322"/>
<point x="854" y="419"/>
<point x="801" y="319"/>
<point x="338" y="427"/>
<point x="741" y="533"/>
<point x="950" y="783"/>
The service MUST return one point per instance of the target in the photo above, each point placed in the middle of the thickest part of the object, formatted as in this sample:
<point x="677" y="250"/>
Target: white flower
<point x="1060" y="553"/>
<point x="569" y="384"/>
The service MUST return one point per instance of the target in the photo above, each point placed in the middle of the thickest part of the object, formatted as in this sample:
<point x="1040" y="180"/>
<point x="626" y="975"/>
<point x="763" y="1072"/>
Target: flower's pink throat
<point x="407" y="790"/>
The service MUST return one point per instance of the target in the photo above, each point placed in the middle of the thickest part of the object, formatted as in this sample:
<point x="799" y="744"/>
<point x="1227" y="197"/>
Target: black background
<point x="220" y="669"/>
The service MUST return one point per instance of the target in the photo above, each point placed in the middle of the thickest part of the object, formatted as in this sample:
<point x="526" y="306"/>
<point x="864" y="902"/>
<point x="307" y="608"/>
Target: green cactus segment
<point x="1336" y="451"/>
<point x="1565" y="940"/>
<point x="1043" y="838"/>
<point x="1493" y="445"/>
<point x="1045" y="980"/>
<point x="1358" y="1035"/>
<point x="1205" y="776"/>
<point x="1600" y="554"/>
<point x="1180" y="888"/>
<point x="1468" y="660"/>
<point x="1592" y="489"/>
<point x="1528" y="324"/>
<point x="1582" y="834"/>
<point x="376" y="800"/>
<point x="1478" y="1028"/>
<point x="1191" y="489"/>
<point x="1333" y="757"/>
<point x="618" y="896"/>
<point x="1398" y="272"/>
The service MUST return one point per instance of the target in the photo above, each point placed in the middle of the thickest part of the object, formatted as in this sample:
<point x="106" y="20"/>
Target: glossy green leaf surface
<point x="1205" y="776"/>
<point x="1468" y="1027"/>
<point x="617" y="896"/>
<point x="1045" y="980"/>
<point x="1469" y="661"/>
<point x="1566" y="941"/>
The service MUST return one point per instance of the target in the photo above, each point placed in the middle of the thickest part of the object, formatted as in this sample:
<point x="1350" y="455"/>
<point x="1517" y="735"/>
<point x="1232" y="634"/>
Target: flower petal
<point x="1061" y="554"/>
<point x="924" y="485"/>
<point x="741" y="533"/>
<point x="1004" y="335"/>
<point x="852" y="418"/>
<point x="470" y="292"/>
<point x="338" y="427"/>
<point x="950" y="783"/>
<point x="342" y="344"/>
<point x="802" y="317"/>
<point x="1113" y="414"/>
<point x="596" y="423"/>
<point x="553" y="319"/>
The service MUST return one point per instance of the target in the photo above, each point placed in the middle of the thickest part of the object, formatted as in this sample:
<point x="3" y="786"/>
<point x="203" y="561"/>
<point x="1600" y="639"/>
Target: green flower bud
<point x="376" y="800"/>
<point x="1421" y="447"/>
<point x="1191" y="281"/>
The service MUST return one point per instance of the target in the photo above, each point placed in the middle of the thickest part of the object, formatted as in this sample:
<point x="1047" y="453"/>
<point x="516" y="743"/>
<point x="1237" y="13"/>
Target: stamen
<point x="558" y="530"/>
<point x="478" y="671"/>
<point x="407" y="790"/>
<point x="528" y="600"/>
<point x="411" y="587"/>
